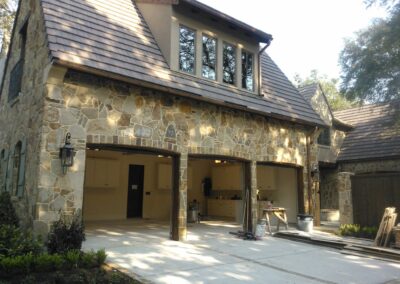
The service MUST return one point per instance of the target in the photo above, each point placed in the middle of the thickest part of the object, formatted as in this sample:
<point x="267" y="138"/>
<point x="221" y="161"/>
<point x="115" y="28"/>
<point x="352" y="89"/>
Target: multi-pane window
<point x="325" y="137"/>
<point x="209" y="57"/>
<point x="187" y="49"/>
<point x="229" y="63"/>
<point x="247" y="71"/>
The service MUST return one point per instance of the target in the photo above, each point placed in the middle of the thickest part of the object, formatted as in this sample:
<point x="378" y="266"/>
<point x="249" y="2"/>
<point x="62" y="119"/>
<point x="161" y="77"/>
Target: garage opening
<point x="217" y="186"/>
<point x="123" y="184"/>
<point x="278" y="187"/>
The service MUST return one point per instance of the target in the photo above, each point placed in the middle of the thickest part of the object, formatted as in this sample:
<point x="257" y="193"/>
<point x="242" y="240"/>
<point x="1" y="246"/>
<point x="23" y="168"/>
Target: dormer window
<point x="209" y="57"/>
<point x="187" y="49"/>
<point x="229" y="63"/>
<point x="247" y="71"/>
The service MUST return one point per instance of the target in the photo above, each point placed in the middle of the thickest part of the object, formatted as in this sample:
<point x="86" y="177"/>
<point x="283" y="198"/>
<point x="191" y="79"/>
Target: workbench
<point x="279" y="213"/>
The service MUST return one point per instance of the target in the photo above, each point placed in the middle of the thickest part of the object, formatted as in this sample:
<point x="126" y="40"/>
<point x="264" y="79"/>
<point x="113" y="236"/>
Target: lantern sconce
<point x="315" y="172"/>
<point x="67" y="154"/>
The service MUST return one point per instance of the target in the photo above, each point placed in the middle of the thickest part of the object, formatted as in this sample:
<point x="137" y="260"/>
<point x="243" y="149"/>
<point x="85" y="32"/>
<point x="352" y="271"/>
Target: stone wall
<point x="101" y="111"/>
<point x="392" y="165"/>
<point x="22" y="118"/>
<point x="329" y="189"/>
<point x="345" y="198"/>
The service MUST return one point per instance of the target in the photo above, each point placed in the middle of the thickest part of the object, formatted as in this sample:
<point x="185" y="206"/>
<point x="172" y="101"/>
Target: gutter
<point x="259" y="66"/>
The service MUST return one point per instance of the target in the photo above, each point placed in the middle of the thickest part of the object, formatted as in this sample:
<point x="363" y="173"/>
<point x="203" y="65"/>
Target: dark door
<point x="372" y="194"/>
<point x="135" y="191"/>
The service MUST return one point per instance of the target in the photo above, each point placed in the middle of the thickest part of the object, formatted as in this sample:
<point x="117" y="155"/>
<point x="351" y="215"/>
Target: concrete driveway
<point x="212" y="255"/>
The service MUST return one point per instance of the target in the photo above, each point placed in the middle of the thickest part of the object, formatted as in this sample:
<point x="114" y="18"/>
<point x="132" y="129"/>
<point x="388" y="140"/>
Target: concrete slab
<point x="212" y="255"/>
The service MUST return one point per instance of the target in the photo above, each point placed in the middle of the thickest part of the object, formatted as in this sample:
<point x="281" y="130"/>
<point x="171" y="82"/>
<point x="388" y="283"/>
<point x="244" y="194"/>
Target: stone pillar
<point x="345" y="197"/>
<point x="58" y="192"/>
<point x="179" y="199"/>
<point x="253" y="190"/>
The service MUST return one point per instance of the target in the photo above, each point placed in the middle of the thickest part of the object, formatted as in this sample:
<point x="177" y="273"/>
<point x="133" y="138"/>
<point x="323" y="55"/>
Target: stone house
<point x="163" y="104"/>
<point x="359" y="159"/>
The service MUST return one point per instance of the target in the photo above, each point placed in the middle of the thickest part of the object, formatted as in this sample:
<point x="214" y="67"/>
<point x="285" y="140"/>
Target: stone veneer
<point x="336" y="184"/>
<point x="22" y="118"/>
<point x="101" y="111"/>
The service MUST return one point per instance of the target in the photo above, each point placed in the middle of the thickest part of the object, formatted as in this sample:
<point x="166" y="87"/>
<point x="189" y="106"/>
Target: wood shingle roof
<point x="111" y="37"/>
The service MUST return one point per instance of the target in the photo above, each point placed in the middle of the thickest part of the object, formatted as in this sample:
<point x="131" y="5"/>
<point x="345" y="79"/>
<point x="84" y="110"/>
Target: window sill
<point x="324" y="146"/>
<point x="221" y="84"/>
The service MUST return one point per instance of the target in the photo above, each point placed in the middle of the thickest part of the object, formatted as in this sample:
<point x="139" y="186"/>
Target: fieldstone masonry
<point x="101" y="111"/>
<point x="345" y="197"/>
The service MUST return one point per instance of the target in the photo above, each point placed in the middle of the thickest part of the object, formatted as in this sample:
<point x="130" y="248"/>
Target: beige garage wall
<point x="200" y="169"/>
<point x="285" y="195"/>
<point x="111" y="203"/>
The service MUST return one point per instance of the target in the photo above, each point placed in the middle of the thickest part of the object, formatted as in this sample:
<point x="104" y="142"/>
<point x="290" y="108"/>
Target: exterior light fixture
<point x="67" y="154"/>
<point x="315" y="173"/>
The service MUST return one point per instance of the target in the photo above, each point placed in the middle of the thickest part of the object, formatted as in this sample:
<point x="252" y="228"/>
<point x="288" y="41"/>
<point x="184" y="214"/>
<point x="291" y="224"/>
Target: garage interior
<point x="121" y="185"/>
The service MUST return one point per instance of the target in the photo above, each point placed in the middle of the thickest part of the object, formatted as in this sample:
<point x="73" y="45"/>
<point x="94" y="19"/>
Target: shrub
<point x="8" y="216"/>
<point x="355" y="230"/>
<point x="101" y="256"/>
<point x="72" y="259"/>
<point x="48" y="262"/>
<point x="89" y="259"/>
<point x="14" y="242"/>
<point x="65" y="236"/>
<point x="21" y="264"/>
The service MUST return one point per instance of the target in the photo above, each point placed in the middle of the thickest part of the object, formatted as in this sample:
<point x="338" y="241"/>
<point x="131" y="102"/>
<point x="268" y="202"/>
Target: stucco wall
<point x="22" y="118"/>
<point x="96" y="110"/>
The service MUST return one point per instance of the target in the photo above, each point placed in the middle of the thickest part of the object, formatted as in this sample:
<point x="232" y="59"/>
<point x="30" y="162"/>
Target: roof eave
<point x="263" y="37"/>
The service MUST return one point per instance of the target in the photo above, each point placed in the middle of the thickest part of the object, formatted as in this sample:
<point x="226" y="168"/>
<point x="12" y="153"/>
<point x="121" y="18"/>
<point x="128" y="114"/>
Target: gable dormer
<point x="199" y="41"/>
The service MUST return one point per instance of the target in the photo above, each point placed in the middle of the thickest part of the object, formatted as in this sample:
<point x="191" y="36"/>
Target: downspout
<point x="259" y="66"/>
<point x="309" y="179"/>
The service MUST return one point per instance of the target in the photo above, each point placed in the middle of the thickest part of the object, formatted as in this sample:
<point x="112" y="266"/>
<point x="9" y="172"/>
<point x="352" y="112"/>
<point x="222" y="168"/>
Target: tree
<point x="7" y="14"/>
<point x="329" y="86"/>
<point x="371" y="61"/>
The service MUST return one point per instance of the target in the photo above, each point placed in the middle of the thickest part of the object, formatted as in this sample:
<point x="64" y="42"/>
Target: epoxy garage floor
<point x="212" y="255"/>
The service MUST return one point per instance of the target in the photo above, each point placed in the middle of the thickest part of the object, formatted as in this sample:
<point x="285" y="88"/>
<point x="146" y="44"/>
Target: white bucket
<point x="260" y="231"/>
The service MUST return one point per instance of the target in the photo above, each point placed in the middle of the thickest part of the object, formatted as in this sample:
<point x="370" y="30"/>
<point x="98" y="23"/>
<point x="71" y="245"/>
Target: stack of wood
<point x="385" y="229"/>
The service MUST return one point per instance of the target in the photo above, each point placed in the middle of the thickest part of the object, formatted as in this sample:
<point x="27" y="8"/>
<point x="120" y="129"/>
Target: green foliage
<point x="30" y="263"/>
<point x="335" y="99"/>
<point x="20" y="264"/>
<point x="89" y="260"/>
<point x="7" y="15"/>
<point x="371" y="61"/>
<point x="72" y="259"/>
<point x="65" y="236"/>
<point x="8" y="216"/>
<point x="48" y="262"/>
<point x="14" y="242"/>
<point x="354" y="230"/>
<point x="101" y="256"/>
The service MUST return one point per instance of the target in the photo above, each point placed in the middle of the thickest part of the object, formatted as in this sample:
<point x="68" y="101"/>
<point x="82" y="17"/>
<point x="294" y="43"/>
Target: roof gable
<point x="111" y="37"/>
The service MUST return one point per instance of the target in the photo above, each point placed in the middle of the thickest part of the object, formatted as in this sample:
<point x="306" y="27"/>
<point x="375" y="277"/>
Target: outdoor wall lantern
<point x="315" y="173"/>
<point x="67" y="154"/>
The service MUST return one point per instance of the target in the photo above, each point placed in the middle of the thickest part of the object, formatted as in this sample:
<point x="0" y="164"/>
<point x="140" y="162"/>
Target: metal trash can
<point x="305" y="222"/>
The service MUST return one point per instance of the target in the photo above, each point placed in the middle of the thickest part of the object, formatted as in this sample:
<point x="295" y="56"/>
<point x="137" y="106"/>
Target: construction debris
<point x="385" y="229"/>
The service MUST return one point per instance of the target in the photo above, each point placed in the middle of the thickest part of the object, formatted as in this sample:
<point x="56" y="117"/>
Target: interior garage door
<point x="372" y="193"/>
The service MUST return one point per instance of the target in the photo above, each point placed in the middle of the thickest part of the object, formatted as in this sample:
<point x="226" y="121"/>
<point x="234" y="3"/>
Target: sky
<point x="308" y="34"/>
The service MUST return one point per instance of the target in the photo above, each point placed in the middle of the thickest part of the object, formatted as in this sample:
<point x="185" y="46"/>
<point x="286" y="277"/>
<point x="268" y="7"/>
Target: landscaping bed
<point x="25" y="258"/>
